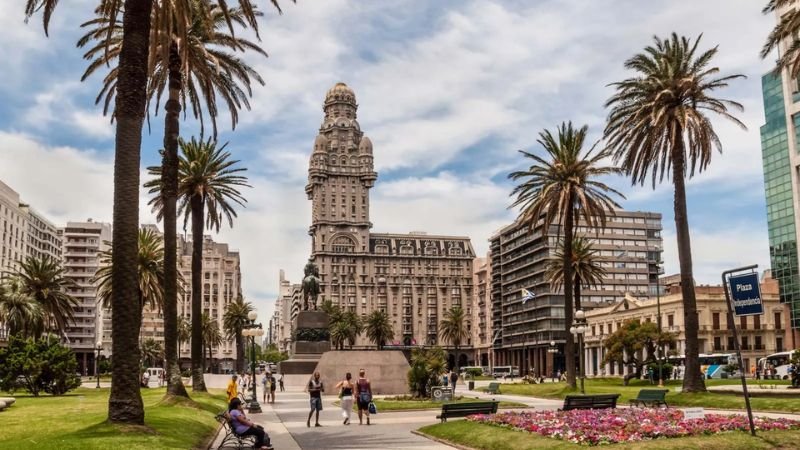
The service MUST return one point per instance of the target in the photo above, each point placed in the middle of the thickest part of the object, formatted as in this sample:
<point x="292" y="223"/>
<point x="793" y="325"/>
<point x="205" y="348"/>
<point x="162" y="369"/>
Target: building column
<point x="85" y="365"/>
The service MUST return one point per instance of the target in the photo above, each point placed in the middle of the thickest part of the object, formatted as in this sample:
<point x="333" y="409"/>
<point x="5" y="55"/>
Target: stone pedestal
<point x="387" y="370"/>
<point x="311" y="340"/>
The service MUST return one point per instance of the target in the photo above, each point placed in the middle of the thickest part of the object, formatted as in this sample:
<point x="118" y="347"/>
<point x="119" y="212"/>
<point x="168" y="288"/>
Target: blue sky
<point x="448" y="91"/>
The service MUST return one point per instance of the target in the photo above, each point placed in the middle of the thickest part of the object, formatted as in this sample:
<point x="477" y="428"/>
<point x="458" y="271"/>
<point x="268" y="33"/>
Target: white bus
<point x="505" y="371"/>
<point x="711" y="364"/>
<point x="777" y="361"/>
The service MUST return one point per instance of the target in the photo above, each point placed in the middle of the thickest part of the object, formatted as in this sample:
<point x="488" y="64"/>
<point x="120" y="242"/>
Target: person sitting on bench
<point x="245" y="427"/>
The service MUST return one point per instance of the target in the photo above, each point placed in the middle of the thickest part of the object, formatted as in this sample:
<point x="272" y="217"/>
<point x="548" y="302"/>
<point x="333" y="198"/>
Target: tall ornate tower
<point x="340" y="175"/>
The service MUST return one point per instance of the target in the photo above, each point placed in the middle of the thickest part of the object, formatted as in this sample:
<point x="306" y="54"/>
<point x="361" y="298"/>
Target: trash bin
<point x="724" y="374"/>
<point x="471" y="385"/>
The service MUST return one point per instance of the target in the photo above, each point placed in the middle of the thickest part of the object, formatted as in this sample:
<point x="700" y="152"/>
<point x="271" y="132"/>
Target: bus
<point x="505" y="371"/>
<point x="711" y="364"/>
<point x="777" y="361"/>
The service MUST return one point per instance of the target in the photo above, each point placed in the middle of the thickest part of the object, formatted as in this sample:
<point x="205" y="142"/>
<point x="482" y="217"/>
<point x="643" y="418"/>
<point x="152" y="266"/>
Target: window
<point x="745" y="343"/>
<point x="743" y="323"/>
<point x="715" y="321"/>
<point x="717" y="343"/>
<point x="343" y="244"/>
<point x="778" y="344"/>
<point x="756" y="322"/>
<point x="758" y="344"/>
<point x="670" y="320"/>
<point x="731" y="344"/>
<point x="778" y="321"/>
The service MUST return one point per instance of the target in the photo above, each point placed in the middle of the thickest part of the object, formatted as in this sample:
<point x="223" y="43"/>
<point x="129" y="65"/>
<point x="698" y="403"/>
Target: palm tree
<point x="453" y="328"/>
<point x="378" y="328"/>
<point x="212" y="337"/>
<point x="234" y="321"/>
<point x="338" y="333"/>
<point x="20" y="313"/>
<point x="586" y="267"/>
<point x="152" y="352"/>
<point x="658" y="122"/>
<point x="787" y="28"/>
<point x="202" y="61"/>
<point x="43" y="280"/>
<point x="125" y="401"/>
<point x="561" y="190"/>
<point x="354" y="326"/>
<point x="184" y="331"/>
<point x="207" y="180"/>
<point x="150" y="273"/>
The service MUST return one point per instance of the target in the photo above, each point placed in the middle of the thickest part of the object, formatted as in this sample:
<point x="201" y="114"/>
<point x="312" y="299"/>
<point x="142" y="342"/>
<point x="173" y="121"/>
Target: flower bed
<point x="608" y="426"/>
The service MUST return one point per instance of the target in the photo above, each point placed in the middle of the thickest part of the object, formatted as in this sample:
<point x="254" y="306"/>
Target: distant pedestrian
<point x="364" y="395"/>
<point x="232" y="390"/>
<point x="315" y="390"/>
<point x="280" y="381"/>
<point x="453" y="380"/>
<point x="265" y="386"/>
<point x="445" y="380"/>
<point x="273" y="385"/>
<point x="346" y="397"/>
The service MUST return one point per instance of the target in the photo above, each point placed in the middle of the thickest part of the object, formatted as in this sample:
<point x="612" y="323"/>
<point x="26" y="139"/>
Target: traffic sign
<point x="746" y="294"/>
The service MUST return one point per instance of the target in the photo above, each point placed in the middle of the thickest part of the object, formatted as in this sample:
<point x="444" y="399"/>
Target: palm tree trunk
<point x="569" y="344"/>
<point x="577" y="294"/>
<point x="692" y="379"/>
<point x="197" y="294"/>
<point x="125" y="400"/>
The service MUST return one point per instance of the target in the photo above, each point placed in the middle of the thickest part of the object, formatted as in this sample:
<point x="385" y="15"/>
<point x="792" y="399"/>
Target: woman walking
<point x="364" y="392"/>
<point x="347" y="396"/>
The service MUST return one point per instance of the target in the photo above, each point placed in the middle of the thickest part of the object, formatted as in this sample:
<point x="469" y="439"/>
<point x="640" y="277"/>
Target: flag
<point x="527" y="295"/>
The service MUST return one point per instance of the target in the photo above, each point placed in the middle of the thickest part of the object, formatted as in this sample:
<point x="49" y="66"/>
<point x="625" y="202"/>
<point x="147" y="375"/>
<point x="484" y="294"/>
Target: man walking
<point x="315" y="390"/>
<point x="273" y="386"/>
<point x="453" y="381"/>
<point x="280" y="381"/>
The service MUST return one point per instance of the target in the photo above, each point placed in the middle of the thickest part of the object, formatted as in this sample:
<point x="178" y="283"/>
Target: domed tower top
<point x="340" y="101"/>
<point x="365" y="147"/>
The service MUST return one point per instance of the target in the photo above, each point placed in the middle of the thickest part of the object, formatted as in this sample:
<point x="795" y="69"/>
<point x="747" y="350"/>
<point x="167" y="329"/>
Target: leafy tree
<point x="787" y="29"/>
<point x="42" y="365"/>
<point x="453" y="329"/>
<point x="20" y="313"/>
<point x="378" y="328"/>
<point x="658" y="123"/>
<point x="585" y="267"/>
<point x="43" y="280"/>
<point x="233" y="321"/>
<point x="562" y="189"/>
<point x="152" y="353"/>
<point x="634" y="344"/>
<point x="212" y="337"/>
<point x="207" y="191"/>
<point x="426" y="366"/>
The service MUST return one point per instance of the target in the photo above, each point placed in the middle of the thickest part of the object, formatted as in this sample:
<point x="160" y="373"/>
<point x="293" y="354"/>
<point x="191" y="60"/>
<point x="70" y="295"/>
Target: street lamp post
<point x="658" y="311"/>
<point x="578" y="329"/>
<point x="252" y="330"/>
<point x="99" y="348"/>
<point x="553" y="350"/>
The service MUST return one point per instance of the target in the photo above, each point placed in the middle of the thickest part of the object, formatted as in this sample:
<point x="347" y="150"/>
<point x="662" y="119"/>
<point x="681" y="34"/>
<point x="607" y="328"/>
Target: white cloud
<point x="56" y="106"/>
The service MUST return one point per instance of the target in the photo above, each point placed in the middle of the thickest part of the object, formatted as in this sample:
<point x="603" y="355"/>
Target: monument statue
<point x="310" y="285"/>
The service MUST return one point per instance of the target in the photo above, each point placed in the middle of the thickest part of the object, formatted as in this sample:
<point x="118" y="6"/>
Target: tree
<point x="585" y="267"/>
<point x="234" y="321"/>
<point x="207" y="191"/>
<point x="453" y="329"/>
<point x="345" y="325"/>
<point x="787" y="28"/>
<point x="43" y="280"/>
<point x="212" y="337"/>
<point x="38" y="365"/>
<point x="634" y="344"/>
<point x="125" y="401"/>
<point x="426" y="366"/>
<point x="564" y="189"/>
<point x="184" y="331"/>
<point x="152" y="352"/>
<point x="378" y="328"/>
<point x="658" y="121"/>
<point x="20" y="313"/>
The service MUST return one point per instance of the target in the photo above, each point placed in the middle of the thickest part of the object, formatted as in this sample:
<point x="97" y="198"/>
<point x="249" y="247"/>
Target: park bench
<point x="651" y="397"/>
<point x="466" y="409"/>
<point x="494" y="388"/>
<point x="599" y="401"/>
<point x="231" y="439"/>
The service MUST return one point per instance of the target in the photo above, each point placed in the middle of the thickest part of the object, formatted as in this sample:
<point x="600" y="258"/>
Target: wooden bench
<point x="600" y="401"/>
<point x="466" y="409"/>
<point x="651" y="397"/>
<point x="231" y="439"/>
<point x="494" y="388"/>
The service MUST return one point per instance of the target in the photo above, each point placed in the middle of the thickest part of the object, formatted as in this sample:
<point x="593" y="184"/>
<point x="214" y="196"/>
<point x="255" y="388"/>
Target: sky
<point x="448" y="91"/>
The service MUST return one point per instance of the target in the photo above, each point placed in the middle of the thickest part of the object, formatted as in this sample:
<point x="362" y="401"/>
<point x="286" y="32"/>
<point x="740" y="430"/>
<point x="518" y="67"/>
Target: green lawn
<point x="489" y="437"/>
<point x="385" y="405"/>
<point x="614" y="385"/>
<point x="77" y="421"/>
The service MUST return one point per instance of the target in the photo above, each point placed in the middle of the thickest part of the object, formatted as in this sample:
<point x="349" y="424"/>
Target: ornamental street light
<point x="253" y="330"/>
<point x="658" y="311"/>
<point x="99" y="348"/>
<point x="578" y="329"/>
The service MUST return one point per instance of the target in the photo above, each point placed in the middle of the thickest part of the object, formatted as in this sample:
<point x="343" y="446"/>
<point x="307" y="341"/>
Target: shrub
<point x="38" y="365"/>
<point x="474" y="372"/>
<point x="426" y="366"/>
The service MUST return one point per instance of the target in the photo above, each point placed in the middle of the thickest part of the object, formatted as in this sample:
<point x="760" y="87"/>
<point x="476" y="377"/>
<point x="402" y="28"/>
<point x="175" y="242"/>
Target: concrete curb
<point x="441" y="441"/>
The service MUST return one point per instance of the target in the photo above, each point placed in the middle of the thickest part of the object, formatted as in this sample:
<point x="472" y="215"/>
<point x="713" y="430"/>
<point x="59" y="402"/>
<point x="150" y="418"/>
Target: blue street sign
<point x="746" y="294"/>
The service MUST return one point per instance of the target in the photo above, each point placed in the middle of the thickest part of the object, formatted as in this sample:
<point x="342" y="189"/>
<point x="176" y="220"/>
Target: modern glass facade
<point x="779" y="193"/>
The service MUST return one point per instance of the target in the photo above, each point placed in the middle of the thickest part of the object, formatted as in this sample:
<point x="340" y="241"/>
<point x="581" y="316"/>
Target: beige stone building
<point x="83" y="243"/>
<point x="759" y="335"/>
<point x="482" y="331"/>
<point x="414" y="277"/>
<point x="287" y="305"/>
